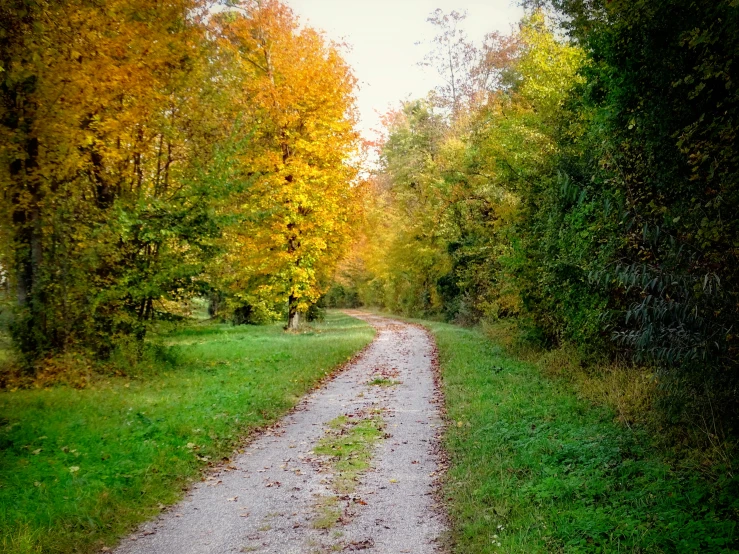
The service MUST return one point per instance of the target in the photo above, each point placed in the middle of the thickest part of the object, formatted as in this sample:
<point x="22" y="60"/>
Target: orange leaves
<point x="297" y="92"/>
<point x="113" y="122"/>
<point x="134" y="131"/>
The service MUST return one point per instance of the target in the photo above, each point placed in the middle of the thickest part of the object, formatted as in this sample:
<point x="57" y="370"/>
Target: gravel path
<point x="267" y="500"/>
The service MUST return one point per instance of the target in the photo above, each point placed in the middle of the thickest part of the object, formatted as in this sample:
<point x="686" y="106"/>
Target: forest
<point x="153" y="152"/>
<point x="571" y="191"/>
<point x="577" y="178"/>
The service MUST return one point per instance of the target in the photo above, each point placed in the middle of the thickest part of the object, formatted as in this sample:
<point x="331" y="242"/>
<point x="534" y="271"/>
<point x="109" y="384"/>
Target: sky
<point x="389" y="38"/>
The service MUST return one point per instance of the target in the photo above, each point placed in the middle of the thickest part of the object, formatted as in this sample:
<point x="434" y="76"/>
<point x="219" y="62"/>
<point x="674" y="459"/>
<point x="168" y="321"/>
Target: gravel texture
<point x="267" y="499"/>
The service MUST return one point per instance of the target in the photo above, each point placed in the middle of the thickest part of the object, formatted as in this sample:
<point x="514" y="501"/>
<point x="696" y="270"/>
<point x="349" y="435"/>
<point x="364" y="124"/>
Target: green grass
<point x="382" y="382"/>
<point x="350" y="443"/>
<point x="79" y="468"/>
<point x="328" y="512"/>
<point x="533" y="468"/>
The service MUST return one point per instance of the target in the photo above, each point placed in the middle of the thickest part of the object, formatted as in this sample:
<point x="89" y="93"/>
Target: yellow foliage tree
<point x="454" y="169"/>
<point x="108" y="120"/>
<point x="297" y="97"/>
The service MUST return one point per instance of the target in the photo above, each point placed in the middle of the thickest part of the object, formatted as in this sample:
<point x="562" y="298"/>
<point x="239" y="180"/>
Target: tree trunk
<point x="214" y="304"/>
<point x="293" y="315"/>
<point x="27" y="222"/>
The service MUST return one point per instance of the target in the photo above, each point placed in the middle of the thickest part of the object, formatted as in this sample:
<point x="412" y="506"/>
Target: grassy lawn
<point x="79" y="468"/>
<point x="535" y="469"/>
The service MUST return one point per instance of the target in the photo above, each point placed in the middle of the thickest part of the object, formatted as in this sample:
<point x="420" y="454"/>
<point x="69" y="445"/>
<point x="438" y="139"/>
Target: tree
<point x="296" y="218"/>
<point x="455" y="190"/>
<point x="454" y="58"/>
<point x="659" y="118"/>
<point x="109" y="123"/>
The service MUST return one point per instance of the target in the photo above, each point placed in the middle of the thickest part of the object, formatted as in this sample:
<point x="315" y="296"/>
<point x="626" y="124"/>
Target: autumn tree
<point x="111" y="133"/>
<point x="295" y="220"/>
<point x="469" y="72"/>
<point x="452" y="188"/>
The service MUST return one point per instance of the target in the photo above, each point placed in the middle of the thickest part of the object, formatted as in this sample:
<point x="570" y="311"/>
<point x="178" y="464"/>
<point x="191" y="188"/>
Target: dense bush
<point x="649" y="190"/>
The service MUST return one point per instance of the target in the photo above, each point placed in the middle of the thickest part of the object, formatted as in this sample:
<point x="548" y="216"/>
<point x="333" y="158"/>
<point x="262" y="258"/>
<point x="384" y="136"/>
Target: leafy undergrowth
<point x="79" y="468"/>
<point x="533" y="468"/>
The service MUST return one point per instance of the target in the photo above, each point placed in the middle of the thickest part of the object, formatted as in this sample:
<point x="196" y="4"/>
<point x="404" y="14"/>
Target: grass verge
<point x="534" y="468"/>
<point x="80" y="468"/>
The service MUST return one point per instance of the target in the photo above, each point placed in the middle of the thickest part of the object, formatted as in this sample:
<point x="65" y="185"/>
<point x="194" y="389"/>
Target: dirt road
<point x="281" y="496"/>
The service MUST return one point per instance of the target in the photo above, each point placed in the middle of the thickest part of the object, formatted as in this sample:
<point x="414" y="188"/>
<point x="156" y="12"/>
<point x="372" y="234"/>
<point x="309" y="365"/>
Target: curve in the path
<point x="266" y="500"/>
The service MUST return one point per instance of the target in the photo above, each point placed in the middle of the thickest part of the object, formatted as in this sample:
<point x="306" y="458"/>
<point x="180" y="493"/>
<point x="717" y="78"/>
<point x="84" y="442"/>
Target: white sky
<point x="383" y="35"/>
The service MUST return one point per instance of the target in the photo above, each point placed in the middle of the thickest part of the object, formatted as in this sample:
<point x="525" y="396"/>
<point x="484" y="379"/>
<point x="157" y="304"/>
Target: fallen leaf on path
<point x="360" y="545"/>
